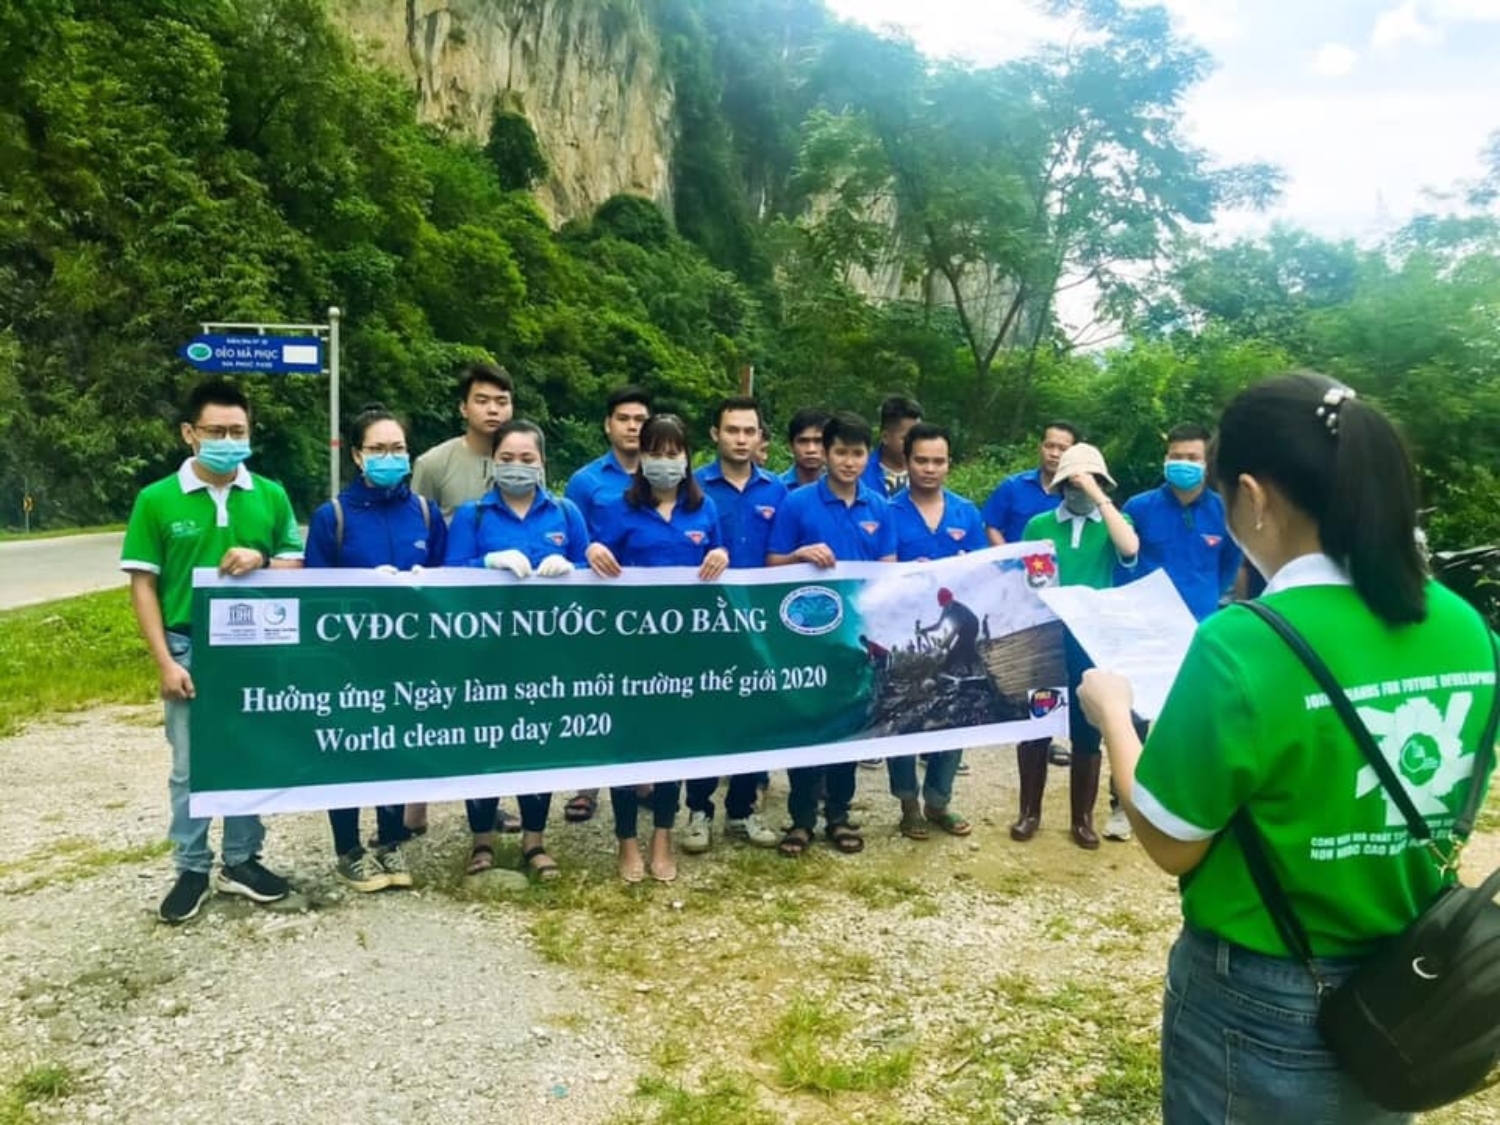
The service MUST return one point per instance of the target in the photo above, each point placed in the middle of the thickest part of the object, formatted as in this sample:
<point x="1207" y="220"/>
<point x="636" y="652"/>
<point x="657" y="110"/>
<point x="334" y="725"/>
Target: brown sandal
<point x="481" y="859"/>
<point x="795" y="842"/>
<point x="541" y="872"/>
<point x="845" y="838"/>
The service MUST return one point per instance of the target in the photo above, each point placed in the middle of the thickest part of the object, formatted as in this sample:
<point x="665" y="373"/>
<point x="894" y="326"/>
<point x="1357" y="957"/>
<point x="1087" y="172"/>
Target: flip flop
<point x="912" y="828"/>
<point x="949" y="822"/>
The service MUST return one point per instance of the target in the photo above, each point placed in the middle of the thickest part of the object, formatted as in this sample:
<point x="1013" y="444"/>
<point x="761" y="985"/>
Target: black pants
<point x="739" y="801"/>
<point x="802" y="800"/>
<point x="484" y="812"/>
<point x="664" y="799"/>
<point x="389" y="828"/>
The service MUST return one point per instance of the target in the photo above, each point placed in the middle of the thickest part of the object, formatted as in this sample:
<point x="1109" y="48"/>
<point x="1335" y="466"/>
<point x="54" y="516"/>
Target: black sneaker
<point x="253" y="881"/>
<point x="185" y="898"/>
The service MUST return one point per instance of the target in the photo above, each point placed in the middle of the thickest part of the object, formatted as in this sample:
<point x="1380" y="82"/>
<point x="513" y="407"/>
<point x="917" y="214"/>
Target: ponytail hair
<point x="1341" y="462"/>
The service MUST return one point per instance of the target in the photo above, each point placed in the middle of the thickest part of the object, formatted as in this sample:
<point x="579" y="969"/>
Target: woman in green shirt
<point x="1321" y="495"/>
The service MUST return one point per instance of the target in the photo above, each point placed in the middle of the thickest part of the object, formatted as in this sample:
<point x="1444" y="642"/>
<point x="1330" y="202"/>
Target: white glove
<point x="386" y="568"/>
<point x="512" y="560"/>
<point x="554" y="566"/>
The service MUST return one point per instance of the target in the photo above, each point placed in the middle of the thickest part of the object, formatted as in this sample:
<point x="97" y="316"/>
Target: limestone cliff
<point x="587" y="74"/>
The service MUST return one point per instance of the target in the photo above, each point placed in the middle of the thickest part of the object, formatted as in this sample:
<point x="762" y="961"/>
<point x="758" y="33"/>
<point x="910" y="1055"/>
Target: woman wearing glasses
<point x="376" y="522"/>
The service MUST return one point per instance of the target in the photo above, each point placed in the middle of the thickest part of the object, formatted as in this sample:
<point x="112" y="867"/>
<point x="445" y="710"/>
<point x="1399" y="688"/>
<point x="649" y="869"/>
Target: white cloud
<point x="1400" y="25"/>
<point x="1334" y="60"/>
<point x="1462" y="11"/>
<point x="985" y="35"/>
<point x="1208" y="22"/>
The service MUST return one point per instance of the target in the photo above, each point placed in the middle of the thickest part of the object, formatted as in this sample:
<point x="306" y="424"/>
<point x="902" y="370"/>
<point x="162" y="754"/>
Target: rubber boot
<point x="1084" y="778"/>
<point x="1031" y="762"/>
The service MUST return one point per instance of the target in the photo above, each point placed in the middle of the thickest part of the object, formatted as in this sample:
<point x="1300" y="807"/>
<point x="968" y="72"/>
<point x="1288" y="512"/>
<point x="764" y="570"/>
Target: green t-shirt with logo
<point x="173" y="530"/>
<point x="1246" y="724"/>
<point x="1091" y="563"/>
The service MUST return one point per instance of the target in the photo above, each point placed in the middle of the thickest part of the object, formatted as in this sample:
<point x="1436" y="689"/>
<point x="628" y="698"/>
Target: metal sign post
<point x="277" y="349"/>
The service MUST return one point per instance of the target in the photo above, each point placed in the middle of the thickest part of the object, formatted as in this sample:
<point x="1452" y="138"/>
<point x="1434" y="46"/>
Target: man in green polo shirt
<point x="212" y="512"/>
<point x="1091" y="537"/>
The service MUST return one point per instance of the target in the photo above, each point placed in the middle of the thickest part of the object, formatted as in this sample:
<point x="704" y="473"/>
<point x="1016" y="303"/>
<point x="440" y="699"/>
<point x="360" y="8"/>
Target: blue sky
<point x="1365" y="104"/>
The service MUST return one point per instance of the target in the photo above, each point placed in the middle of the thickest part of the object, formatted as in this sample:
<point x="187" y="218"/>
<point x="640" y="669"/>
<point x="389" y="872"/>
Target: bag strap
<point x="338" y="531"/>
<point x="426" y="513"/>
<point x="1253" y="845"/>
<point x="1483" y="755"/>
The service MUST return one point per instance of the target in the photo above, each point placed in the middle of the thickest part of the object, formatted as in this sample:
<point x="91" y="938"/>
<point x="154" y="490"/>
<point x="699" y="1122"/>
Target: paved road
<point x="39" y="570"/>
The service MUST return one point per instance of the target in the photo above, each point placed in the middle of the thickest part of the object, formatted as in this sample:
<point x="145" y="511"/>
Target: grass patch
<point x="71" y="654"/>
<point x="812" y="1050"/>
<point x="70" y="860"/>
<point x="45" y="1082"/>
<point x="725" y="1099"/>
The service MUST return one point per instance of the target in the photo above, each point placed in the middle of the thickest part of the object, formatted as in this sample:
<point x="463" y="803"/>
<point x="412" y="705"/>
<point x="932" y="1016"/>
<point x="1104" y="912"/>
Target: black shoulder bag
<point x="1418" y="1024"/>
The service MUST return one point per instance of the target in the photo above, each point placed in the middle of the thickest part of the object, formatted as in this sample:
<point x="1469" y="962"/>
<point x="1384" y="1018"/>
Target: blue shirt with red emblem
<point x="959" y="530"/>
<point x="745" y="515"/>
<point x="1015" y="500"/>
<point x="642" y="537"/>
<point x="551" y="526"/>
<point x="1189" y="541"/>
<point x="858" y="532"/>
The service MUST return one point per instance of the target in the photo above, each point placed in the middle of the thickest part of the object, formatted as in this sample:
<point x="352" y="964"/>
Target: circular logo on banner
<point x="274" y="614"/>
<point x="812" y="610"/>
<point x="199" y="352"/>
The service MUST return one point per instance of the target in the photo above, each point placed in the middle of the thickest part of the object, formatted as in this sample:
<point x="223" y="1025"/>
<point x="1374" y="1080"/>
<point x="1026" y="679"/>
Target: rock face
<point x="587" y="74"/>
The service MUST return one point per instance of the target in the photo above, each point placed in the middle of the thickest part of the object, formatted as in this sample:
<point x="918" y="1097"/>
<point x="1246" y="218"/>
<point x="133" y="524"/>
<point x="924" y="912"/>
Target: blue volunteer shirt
<point x="1015" y="501"/>
<point x="790" y="479"/>
<point x="1189" y="541"/>
<point x="551" y="526"/>
<point x="641" y="537"/>
<point x="597" y="485"/>
<point x="382" y="527"/>
<point x="959" y="530"/>
<point x="744" y="516"/>
<point x="858" y="532"/>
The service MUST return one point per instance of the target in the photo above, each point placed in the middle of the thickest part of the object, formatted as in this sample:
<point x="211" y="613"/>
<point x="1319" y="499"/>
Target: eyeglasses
<point x="219" y="433"/>
<point x="383" y="450"/>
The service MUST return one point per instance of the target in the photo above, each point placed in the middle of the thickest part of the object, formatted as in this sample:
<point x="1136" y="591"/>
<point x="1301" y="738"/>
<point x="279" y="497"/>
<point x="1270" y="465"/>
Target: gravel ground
<point x="437" y="1004"/>
<point x="400" y="1007"/>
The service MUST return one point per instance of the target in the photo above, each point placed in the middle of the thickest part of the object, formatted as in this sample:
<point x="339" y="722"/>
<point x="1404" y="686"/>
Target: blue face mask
<point x="1186" y="475"/>
<point x="387" y="470"/>
<point x="222" y="456"/>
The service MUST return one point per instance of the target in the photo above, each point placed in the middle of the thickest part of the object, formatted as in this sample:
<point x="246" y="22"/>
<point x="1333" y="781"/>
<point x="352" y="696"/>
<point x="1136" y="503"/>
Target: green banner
<point x="327" y="688"/>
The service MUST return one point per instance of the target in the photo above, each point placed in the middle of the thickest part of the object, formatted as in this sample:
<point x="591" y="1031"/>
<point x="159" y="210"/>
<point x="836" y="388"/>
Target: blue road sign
<point x="286" y="355"/>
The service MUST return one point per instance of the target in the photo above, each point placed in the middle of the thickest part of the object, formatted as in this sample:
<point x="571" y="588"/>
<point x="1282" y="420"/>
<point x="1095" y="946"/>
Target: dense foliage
<point x="164" y="162"/>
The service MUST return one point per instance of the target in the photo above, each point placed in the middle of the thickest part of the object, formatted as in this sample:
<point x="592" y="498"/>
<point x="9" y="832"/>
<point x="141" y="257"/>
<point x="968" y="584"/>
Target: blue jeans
<point x="1240" y="1043"/>
<point x="937" y="781"/>
<point x="243" y="835"/>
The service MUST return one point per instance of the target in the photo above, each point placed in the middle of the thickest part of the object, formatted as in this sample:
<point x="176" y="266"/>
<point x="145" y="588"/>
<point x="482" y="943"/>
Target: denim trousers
<point x="739" y="799"/>
<point x="937" y="780"/>
<point x="1240" y="1043"/>
<point x="243" y="835"/>
<point x="664" y="800"/>
<point x="484" y="812"/>
<point x="838" y="781"/>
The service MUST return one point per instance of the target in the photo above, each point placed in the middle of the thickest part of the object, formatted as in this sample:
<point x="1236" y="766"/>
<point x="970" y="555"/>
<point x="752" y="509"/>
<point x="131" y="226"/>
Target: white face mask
<point x="664" y="472"/>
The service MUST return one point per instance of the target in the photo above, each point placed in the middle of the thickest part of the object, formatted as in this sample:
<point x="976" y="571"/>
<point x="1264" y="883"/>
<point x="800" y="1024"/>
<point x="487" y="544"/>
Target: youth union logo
<point x="812" y="610"/>
<point x="199" y="353"/>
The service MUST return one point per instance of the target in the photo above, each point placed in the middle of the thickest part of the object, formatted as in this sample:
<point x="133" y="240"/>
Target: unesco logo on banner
<point x="274" y="621"/>
<point x="812" y="610"/>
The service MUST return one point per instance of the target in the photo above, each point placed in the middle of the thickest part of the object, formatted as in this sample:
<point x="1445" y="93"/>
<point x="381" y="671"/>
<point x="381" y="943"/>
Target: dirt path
<point x="963" y="981"/>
